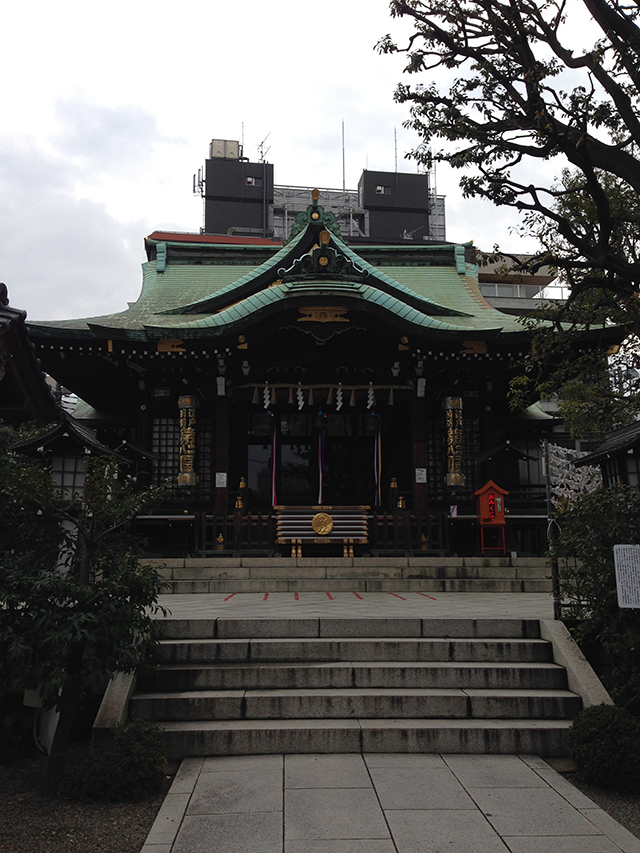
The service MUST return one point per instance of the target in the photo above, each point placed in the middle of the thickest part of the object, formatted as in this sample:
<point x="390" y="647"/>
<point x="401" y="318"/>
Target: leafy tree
<point x="528" y="91"/>
<point x="520" y="87"/>
<point x="64" y="628"/>
<point x="596" y="386"/>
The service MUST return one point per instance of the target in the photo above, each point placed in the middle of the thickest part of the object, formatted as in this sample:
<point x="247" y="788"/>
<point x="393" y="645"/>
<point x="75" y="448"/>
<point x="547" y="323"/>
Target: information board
<point x="627" y="562"/>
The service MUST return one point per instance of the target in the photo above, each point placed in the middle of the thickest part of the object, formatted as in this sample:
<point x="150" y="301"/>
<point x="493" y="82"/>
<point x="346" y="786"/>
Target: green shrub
<point x="590" y="526"/>
<point x="604" y="742"/>
<point x="127" y="768"/>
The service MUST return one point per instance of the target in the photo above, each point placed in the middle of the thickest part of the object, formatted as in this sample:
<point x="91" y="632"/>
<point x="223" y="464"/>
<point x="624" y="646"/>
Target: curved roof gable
<point x="316" y="253"/>
<point x="196" y="287"/>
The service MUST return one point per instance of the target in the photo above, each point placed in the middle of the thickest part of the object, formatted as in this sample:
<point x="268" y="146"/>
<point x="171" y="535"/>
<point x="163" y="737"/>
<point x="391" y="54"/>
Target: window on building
<point x="633" y="471"/>
<point x="68" y="475"/>
<point x="251" y="181"/>
<point x="382" y="189"/>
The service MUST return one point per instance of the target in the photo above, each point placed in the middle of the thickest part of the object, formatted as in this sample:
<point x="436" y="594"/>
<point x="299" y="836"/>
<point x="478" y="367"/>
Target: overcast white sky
<point x="107" y="111"/>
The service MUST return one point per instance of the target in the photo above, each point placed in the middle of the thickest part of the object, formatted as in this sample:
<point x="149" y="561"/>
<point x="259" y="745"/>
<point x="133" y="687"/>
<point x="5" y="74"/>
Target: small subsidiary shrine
<point x="275" y="382"/>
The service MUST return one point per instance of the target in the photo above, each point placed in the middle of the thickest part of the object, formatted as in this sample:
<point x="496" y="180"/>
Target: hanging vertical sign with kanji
<point x="187" y="455"/>
<point x="453" y="415"/>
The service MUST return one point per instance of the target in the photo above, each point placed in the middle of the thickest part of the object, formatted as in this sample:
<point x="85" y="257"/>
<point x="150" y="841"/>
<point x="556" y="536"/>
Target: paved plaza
<point x="360" y="605"/>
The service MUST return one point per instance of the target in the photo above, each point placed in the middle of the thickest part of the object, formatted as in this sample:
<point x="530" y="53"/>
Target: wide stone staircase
<point x="234" y="686"/>
<point x="355" y="574"/>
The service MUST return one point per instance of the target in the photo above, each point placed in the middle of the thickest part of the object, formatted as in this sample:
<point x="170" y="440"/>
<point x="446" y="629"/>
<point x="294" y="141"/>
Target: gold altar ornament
<point x="322" y="523"/>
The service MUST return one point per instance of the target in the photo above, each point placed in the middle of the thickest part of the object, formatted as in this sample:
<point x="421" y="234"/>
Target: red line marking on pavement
<point x="358" y="596"/>
<point x="428" y="596"/>
<point x="230" y="596"/>
<point x="296" y="596"/>
<point x="397" y="596"/>
<point x="330" y="596"/>
<point x="266" y="595"/>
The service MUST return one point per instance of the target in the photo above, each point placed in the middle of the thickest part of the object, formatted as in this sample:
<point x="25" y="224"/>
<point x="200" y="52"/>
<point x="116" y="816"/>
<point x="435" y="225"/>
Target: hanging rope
<point x="274" y="446"/>
<point x="321" y="467"/>
<point x="377" y="467"/>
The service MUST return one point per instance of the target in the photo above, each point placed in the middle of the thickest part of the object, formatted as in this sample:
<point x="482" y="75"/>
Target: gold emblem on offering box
<point x="322" y="523"/>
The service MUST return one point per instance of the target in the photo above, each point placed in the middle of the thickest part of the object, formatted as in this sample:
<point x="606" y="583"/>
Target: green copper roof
<point x="191" y="289"/>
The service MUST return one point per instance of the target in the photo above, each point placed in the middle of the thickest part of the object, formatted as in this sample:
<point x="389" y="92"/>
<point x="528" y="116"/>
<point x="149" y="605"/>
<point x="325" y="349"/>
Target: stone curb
<point x="169" y="819"/>
<point x="580" y="676"/>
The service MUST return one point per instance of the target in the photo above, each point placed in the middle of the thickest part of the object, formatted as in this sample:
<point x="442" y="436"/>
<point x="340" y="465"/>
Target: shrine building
<point x="308" y="369"/>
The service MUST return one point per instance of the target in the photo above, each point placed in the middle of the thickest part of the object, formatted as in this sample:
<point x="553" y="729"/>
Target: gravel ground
<point x="33" y="822"/>
<point x="625" y="808"/>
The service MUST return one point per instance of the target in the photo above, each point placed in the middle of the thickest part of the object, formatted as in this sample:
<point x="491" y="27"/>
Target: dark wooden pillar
<point x="142" y="434"/>
<point x="221" y="455"/>
<point x="419" y="444"/>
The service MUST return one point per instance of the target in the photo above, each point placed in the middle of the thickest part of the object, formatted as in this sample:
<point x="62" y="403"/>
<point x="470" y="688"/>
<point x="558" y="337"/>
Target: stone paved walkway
<point x="380" y="803"/>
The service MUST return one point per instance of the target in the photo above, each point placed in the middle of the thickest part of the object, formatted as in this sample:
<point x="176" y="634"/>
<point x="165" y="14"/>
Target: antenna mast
<point x="395" y="146"/>
<point x="262" y="151"/>
<point x="344" y="174"/>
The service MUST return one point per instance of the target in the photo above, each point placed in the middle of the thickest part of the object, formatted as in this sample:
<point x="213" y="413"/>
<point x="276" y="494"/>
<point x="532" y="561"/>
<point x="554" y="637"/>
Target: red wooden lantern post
<point x="490" y="511"/>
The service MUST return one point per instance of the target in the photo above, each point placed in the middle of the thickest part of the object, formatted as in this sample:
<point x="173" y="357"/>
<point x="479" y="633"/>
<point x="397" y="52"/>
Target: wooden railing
<point x="252" y="533"/>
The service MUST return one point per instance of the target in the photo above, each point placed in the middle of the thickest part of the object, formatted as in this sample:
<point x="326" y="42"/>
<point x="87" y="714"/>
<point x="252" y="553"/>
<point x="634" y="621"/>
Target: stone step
<point x="402" y="675"/>
<point x="309" y="566"/>
<point x="291" y="571"/>
<point x="360" y="584"/>
<point x="350" y="649"/>
<point x="353" y="702"/>
<point x="228" y="628"/>
<point x="547" y="738"/>
<point x="234" y="686"/>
